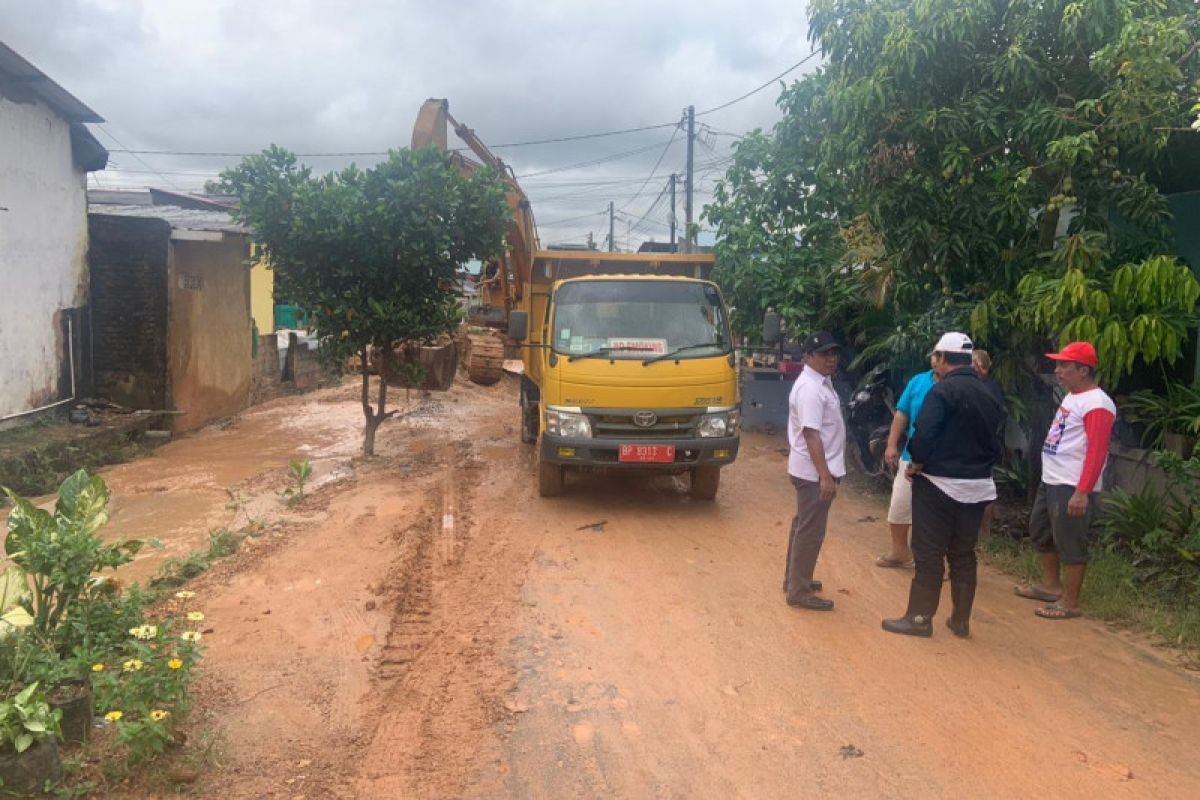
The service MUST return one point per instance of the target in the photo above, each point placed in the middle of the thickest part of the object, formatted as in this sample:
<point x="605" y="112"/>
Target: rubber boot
<point x="963" y="597"/>
<point x="918" y="620"/>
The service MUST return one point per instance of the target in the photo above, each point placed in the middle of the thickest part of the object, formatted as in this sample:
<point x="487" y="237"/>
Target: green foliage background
<point x="972" y="164"/>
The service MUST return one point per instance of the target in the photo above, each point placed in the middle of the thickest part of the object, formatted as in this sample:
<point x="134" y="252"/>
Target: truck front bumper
<point x="689" y="452"/>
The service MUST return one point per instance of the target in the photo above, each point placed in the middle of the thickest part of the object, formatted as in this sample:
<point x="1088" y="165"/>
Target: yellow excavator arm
<point x="430" y="130"/>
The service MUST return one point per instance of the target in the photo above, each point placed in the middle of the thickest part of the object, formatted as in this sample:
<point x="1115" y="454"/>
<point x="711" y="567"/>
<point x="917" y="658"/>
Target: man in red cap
<point x="1073" y="459"/>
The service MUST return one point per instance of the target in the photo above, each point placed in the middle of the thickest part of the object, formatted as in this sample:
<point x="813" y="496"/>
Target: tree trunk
<point x="375" y="417"/>
<point x="1047" y="230"/>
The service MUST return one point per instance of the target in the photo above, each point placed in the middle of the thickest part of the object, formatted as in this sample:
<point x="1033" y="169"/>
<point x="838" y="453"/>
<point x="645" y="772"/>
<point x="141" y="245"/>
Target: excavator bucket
<point x="430" y="128"/>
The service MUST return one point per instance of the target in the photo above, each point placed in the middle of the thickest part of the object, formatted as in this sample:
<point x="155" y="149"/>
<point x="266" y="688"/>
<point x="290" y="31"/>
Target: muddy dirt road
<point x="423" y="625"/>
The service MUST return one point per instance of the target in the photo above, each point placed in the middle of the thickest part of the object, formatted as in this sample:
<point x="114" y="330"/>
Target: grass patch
<point x="222" y="543"/>
<point x="1111" y="593"/>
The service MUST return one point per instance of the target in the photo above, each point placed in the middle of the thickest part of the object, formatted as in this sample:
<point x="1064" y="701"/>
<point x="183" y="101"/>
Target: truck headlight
<point x="568" y="424"/>
<point x="722" y="424"/>
<point x="714" y="425"/>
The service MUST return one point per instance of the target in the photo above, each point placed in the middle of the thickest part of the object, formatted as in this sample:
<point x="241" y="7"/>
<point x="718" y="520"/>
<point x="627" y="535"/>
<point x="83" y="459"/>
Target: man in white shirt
<point x="1073" y="459"/>
<point x="816" y="463"/>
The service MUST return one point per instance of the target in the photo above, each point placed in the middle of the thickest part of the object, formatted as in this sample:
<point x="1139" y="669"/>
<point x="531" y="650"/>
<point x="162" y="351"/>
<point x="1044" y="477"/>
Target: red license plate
<point x="647" y="453"/>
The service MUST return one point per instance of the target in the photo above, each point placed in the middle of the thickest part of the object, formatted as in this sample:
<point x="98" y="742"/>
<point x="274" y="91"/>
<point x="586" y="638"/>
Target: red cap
<point x="1079" y="352"/>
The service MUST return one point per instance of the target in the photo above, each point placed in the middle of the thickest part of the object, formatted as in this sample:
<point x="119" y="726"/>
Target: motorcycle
<point x="869" y="413"/>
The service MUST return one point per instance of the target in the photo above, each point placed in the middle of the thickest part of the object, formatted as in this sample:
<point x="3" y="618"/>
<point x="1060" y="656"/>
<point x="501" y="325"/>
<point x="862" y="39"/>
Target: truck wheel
<point x="551" y="477"/>
<point x="705" y="482"/>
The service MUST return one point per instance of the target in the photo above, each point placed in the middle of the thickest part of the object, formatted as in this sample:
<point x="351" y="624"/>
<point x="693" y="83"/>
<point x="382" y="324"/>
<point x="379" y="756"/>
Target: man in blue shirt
<point x="900" y="509"/>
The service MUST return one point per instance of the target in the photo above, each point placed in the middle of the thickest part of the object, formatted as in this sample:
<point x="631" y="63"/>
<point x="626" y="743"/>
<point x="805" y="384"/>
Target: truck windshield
<point x="640" y="319"/>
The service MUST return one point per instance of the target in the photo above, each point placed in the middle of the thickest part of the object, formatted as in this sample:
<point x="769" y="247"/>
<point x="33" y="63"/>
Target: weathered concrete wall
<point x="267" y="378"/>
<point x="209" y="331"/>
<point x="128" y="264"/>
<point x="43" y="244"/>
<point x="290" y="369"/>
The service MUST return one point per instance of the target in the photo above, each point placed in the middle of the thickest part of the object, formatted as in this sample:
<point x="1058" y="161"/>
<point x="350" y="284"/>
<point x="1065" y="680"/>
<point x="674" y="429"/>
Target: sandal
<point x="887" y="562"/>
<point x="1057" y="611"/>
<point x="1034" y="592"/>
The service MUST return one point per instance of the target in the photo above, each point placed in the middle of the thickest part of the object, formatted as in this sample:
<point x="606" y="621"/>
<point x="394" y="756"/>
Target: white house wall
<point x="43" y="251"/>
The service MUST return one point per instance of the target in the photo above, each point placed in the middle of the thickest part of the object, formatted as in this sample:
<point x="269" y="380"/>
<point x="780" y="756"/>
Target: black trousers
<point x="806" y="536"/>
<point x="944" y="531"/>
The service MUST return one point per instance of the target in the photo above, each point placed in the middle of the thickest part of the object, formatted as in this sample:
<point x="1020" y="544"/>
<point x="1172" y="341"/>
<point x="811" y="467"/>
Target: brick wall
<point x="127" y="261"/>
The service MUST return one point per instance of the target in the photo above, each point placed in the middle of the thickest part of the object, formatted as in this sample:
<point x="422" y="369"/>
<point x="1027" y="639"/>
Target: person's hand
<point x="1077" y="506"/>
<point x="891" y="456"/>
<point x="912" y="471"/>
<point x="828" y="487"/>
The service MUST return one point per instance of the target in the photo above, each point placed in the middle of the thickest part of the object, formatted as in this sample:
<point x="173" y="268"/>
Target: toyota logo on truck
<point x="645" y="419"/>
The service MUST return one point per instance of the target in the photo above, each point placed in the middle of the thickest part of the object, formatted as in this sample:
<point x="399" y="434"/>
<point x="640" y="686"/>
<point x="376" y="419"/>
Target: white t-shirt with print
<point x="1066" y="442"/>
<point x="813" y="403"/>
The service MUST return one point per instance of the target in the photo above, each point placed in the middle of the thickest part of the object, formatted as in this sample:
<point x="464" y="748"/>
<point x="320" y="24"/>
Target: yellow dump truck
<point x="628" y="361"/>
<point x="629" y="365"/>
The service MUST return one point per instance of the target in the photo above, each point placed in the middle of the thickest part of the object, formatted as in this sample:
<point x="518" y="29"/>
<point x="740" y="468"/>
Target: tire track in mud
<point x="440" y="676"/>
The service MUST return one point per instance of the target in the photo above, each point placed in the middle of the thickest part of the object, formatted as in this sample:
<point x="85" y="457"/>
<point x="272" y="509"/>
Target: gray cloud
<point x="315" y="76"/>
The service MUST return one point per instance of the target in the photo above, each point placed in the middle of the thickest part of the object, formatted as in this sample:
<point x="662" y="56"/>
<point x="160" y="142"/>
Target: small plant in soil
<point x="299" y="472"/>
<point x="26" y="719"/>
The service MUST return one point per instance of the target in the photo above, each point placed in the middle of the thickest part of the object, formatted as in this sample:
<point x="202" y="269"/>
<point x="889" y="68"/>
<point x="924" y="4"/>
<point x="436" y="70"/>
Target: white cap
<point x="954" y="342"/>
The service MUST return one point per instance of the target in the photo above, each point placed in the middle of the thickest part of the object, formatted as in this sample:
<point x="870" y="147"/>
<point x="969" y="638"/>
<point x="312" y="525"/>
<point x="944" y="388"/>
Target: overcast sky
<point x="325" y="77"/>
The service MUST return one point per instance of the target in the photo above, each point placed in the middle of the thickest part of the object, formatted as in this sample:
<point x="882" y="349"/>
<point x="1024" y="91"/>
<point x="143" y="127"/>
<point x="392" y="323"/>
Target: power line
<point x="554" y="222"/>
<point x="582" y="136"/>
<point x="753" y="92"/>
<point x="106" y="132"/>
<point x="654" y="169"/>
<point x="592" y="163"/>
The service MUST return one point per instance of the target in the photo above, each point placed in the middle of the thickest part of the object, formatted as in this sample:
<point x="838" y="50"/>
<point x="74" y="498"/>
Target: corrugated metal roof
<point x="22" y="73"/>
<point x="188" y="219"/>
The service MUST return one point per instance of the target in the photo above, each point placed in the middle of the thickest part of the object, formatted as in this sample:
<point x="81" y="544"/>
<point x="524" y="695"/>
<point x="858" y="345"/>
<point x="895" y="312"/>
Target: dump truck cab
<point x="629" y="365"/>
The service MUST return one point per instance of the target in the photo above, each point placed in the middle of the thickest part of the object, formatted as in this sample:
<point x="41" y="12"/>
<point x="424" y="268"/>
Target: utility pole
<point x="687" y="205"/>
<point x="611" y="244"/>
<point x="673" y="176"/>
<point x="591" y="244"/>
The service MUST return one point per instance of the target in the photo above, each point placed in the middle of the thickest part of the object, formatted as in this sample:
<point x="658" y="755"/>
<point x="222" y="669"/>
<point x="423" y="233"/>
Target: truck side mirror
<point x="771" y="331"/>
<point x="518" y="325"/>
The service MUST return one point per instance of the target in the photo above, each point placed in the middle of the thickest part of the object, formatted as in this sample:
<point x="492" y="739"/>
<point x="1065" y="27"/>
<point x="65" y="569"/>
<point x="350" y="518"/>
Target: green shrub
<point x="26" y="719"/>
<point x="61" y="552"/>
<point x="1158" y="531"/>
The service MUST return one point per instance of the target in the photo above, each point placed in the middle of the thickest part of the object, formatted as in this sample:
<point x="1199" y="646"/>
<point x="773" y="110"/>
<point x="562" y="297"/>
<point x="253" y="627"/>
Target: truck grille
<point x="677" y="423"/>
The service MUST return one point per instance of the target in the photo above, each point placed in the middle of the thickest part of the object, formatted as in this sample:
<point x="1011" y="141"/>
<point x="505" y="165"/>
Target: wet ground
<point x="423" y="625"/>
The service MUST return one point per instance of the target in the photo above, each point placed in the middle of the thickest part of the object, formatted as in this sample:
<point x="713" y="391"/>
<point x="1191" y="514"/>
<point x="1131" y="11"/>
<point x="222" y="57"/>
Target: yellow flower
<point x="158" y="715"/>
<point x="132" y="665"/>
<point x="97" y="668"/>
<point x="185" y="594"/>
<point x="195" y="616"/>
<point x="113" y="716"/>
<point x="144" y="631"/>
<point x="191" y="636"/>
<point x="174" y="663"/>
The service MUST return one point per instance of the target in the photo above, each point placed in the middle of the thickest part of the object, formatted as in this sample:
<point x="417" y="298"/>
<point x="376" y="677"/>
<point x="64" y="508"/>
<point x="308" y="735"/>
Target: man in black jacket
<point x="954" y="447"/>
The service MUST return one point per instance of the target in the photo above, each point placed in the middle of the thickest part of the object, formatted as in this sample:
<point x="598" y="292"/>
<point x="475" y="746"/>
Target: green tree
<point x="371" y="254"/>
<point x="979" y="157"/>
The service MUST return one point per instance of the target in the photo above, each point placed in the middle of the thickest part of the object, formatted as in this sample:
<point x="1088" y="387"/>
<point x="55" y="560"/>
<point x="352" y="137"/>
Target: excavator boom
<point x="431" y="130"/>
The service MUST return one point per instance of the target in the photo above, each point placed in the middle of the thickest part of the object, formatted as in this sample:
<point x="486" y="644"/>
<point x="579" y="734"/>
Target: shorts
<point x="900" y="507"/>
<point x="1053" y="530"/>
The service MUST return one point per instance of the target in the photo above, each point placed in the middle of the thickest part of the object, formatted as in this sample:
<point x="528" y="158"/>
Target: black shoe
<point x="916" y="625"/>
<point x="960" y="629"/>
<point x="816" y="585"/>
<point x="963" y="597"/>
<point x="811" y="602"/>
